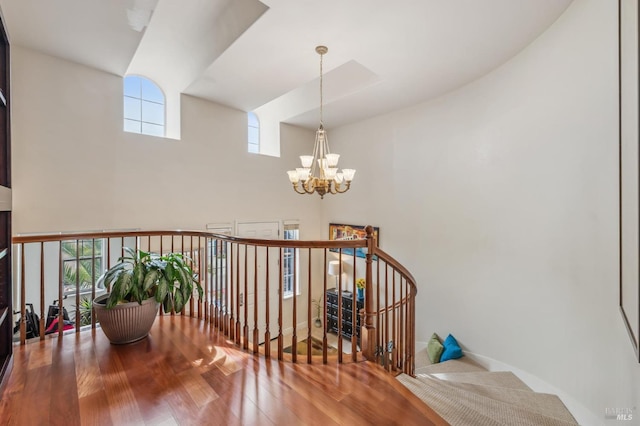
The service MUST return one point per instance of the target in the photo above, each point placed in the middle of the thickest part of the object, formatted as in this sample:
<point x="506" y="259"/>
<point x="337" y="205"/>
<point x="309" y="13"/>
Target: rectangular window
<point x="290" y="266"/>
<point x="82" y="264"/>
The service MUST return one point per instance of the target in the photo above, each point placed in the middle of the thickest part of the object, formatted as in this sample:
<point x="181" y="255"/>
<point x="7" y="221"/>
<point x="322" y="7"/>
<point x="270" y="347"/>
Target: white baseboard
<point x="582" y="415"/>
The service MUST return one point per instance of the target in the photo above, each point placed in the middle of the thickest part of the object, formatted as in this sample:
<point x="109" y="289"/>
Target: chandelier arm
<point x="295" y="188"/>
<point x="339" y="189"/>
<point x="309" y="187"/>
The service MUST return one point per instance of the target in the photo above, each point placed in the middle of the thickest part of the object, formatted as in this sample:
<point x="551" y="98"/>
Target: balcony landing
<point x="186" y="373"/>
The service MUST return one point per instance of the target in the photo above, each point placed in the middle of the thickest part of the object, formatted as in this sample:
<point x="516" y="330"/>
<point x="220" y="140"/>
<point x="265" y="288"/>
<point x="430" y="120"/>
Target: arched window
<point x="144" y="107"/>
<point x="254" y="133"/>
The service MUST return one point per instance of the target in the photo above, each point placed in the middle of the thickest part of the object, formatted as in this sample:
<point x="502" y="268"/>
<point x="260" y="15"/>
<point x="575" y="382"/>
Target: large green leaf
<point x="178" y="303"/>
<point x="163" y="289"/>
<point x="150" y="279"/>
<point x="138" y="275"/>
<point x="169" y="272"/>
<point x="167" y="305"/>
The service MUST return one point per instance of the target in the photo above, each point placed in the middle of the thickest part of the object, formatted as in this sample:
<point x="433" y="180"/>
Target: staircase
<point x="464" y="393"/>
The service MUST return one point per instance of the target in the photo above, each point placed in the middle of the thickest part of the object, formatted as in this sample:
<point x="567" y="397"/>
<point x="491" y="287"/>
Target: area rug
<point x="316" y="348"/>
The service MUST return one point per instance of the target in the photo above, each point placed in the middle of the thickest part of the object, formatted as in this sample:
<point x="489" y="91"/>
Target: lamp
<point x="334" y="269"/>
<point x="319" y="172"/>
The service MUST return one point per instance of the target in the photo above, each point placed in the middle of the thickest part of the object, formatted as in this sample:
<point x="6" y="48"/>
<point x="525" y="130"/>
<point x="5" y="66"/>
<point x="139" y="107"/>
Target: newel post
<point x="368" y="330"/>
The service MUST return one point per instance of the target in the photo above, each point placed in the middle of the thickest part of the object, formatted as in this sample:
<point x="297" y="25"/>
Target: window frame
<point x="69" y="288"/>
<point x="142" y="100"/>
<point x="253" y="146"/>
<point x="290" y="262"/>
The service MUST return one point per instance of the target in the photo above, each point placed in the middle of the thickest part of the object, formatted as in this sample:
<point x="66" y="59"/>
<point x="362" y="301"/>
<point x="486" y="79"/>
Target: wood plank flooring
<point x="187" y="373"/>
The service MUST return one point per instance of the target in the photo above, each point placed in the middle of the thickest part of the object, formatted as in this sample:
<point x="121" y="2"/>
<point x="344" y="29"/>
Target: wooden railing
<point x="265" y="295"/>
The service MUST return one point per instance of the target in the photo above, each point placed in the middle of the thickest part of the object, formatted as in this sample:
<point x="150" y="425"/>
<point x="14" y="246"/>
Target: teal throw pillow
<point x="434" y="349"/>
<point x="451" y="349"/>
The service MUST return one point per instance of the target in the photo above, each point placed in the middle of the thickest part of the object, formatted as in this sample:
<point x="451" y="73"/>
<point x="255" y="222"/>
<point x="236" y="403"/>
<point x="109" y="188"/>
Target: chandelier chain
<point x="321" y="100"/>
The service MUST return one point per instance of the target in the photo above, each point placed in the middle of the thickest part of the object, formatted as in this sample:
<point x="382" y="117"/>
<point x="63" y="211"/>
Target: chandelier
<point x="319" y="172"/>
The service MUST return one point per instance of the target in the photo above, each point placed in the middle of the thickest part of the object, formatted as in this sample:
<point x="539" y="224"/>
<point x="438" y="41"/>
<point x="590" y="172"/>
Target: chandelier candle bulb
<point x="306" y="160"/>
<point x="332" y="159"/>
<point x="293" y="176"/>
<point x="348" y="174"/>
<point x="319" y="172"/>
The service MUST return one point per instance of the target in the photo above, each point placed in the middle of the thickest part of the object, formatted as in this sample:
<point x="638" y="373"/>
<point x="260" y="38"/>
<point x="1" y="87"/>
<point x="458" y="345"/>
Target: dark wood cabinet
<point x="6" y="308"/>
<point x="349" y="329"/>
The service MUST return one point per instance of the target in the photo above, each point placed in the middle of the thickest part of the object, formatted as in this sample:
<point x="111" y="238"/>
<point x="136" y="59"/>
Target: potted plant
<point x="139" y="282"/>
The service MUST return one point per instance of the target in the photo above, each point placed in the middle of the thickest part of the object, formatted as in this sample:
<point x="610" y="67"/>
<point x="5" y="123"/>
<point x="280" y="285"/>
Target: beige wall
<point x="501" y="198"/>
<point x="75" y="169"/>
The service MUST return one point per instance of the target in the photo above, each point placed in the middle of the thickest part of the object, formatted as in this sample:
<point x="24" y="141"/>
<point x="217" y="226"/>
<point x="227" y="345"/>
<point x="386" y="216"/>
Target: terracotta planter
<point x="125" y="323"/>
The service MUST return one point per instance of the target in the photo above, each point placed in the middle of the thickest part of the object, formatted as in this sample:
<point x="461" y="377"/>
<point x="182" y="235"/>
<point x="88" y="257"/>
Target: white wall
<point x="501" y="198"/>
<point x="75" y="169"/>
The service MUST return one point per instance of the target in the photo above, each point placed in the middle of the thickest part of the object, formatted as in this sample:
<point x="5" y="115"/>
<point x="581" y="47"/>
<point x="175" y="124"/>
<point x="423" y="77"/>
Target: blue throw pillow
<point x="451" y="349"/>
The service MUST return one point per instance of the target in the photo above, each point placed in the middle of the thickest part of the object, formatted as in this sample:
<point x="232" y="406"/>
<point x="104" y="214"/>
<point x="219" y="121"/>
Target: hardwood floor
<point x="186" y="373"/>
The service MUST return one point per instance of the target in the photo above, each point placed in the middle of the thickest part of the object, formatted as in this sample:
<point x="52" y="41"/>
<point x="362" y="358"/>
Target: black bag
<point x="32" y="322"/>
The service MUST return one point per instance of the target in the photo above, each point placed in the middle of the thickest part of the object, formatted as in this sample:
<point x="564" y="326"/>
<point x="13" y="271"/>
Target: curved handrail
<point x="63" y="236"/>
<point x="233" y="274"/>
<point x="399" y="267"/>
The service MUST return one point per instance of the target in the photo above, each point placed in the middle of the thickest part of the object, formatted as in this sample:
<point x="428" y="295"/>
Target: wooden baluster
<point x="216" y="282"/>
<point x="204" y="280"/>
<point x="267" y="334"/>
<point x="412" y="332"/>
<point x="354" y="311"/>
<point x="325" y="343"/>
<point x="294" y="337"/>
<point x="383" y="344"/>
<point x="201" y="273"/>
<point x="23" y="295"/>
<point x="220" y="285"/>
<point x="43" y="315"/>
<point x="240" y="296"/>
<point x="226" y="284"/>
<point x="309" y="309"/>
<point x="401" y="321"/>
<point x="379" y="337"/>
<point x="60" y="292"/>
<point x="340" y="305"/>
<point x="192" y="263"/>
<point x="245" y="344"/>
<point x="231" y="293"/>
<point x="394" y="322"/>
<point x="368" y="336"/>
<point x="280" y="303"/>
<point x="255" y="299"/>
<point x="78" y="248"/>
<point x="108" y="255"/>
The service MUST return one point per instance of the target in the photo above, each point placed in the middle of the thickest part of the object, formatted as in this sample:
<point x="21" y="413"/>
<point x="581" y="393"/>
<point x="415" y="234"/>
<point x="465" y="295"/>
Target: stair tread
<point x="463" y="407"/>
<point x="452" y="411"/>
<point x="505" y="379"/>
<point x="543" y="403"/>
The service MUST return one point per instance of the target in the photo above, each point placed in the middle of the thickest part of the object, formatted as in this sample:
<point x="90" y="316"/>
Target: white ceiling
<point x="254" y="55"/>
